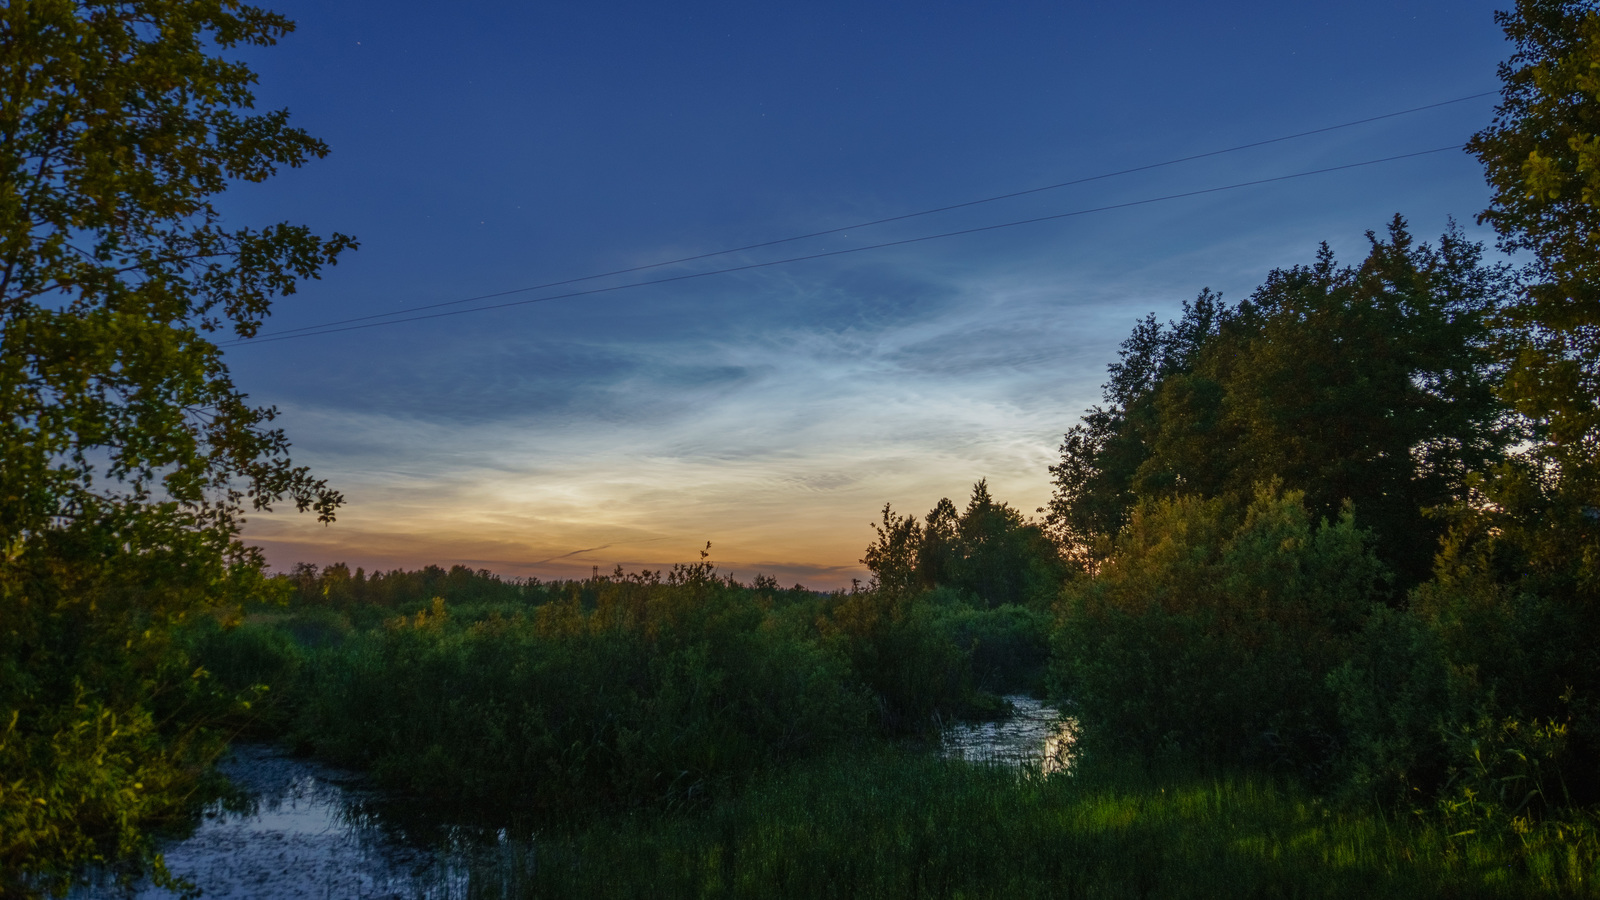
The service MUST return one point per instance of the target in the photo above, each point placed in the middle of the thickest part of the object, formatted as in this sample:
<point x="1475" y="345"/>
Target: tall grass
<point x="892" y="824"/>
<point x="616" y="692"/>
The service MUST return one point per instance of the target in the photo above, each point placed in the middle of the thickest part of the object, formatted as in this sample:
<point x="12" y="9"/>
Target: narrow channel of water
<point x="315" y="832"/>
<point x="311" y="833"/>
<point x="1036" y="735"/>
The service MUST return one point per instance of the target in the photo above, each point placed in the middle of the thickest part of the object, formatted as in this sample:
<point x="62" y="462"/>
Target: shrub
<point x="1211" y="631"/>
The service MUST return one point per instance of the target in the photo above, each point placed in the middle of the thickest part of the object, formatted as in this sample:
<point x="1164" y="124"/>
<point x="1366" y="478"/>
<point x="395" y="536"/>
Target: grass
<point x="902" y="824"/>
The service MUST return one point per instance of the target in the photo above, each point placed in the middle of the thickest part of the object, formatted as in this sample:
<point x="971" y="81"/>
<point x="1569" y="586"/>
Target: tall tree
<point x="129" y="454"/>
<point x="1370" y="384"/>
<point x="1517" y="599"/>
<point x="1542" y="158"/>
<point x="1094" y="490"/>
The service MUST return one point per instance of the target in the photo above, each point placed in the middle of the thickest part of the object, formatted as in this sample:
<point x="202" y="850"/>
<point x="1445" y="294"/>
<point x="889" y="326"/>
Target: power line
<point x="335" y="328"/>
<point x="884" y="221"/>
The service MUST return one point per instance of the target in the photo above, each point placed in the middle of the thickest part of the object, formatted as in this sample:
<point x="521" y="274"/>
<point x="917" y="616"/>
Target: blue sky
<point x="483" y="147"/>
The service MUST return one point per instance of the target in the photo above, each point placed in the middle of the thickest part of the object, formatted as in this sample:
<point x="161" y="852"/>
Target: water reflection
<point x="312" y="831"/>
<point x="1035" y="735"/>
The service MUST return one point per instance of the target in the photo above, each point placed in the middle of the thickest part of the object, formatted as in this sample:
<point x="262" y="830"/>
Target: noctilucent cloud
<point x="480" y="148"/>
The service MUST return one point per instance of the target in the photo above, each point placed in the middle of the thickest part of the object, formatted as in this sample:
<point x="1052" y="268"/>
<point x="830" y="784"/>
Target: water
<point x="1036" y="735"/>
<point x="313" y="832"/>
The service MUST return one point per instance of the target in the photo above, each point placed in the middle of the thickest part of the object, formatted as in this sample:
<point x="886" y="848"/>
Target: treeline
<point x="408" y="590"/>
<point x="336" y="587"/>
<point x="1316" y="538"/>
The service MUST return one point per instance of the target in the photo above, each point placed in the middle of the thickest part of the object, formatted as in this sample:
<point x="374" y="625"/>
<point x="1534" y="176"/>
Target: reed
<point x="898" y="823"/>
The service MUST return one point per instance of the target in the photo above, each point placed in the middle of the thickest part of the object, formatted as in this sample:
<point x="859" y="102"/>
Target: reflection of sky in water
<point x="300" y="841"/>
<point x="312" y="831"/>
<point x="1035" y="735"/>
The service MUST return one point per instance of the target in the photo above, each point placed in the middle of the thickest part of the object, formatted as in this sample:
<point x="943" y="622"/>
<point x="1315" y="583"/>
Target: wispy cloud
<point x="774" y="421"/>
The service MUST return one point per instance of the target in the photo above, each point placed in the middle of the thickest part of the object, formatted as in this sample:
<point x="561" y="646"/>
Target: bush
<point x="1211" y="630"/>
<point x="1007" y="647"/>
<point x="660" y="694"/>
<point x="895" y="646"/>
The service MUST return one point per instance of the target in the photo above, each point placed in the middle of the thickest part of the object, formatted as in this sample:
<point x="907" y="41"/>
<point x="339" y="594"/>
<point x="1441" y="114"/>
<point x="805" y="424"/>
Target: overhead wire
<point x="858" y="225"/>
<point x="336" y="328"/>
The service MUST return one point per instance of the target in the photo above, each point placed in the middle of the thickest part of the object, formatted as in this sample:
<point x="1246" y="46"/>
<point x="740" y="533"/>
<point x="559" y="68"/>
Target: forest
<point x="1319" y="581"/>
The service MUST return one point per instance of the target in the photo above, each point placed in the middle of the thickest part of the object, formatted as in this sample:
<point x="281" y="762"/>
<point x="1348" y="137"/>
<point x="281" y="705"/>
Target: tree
<point x="1094" y="480"/>
<point x="129" y="455"/>
<point x="1371" y="384"/>
<point x="1541" y="155"/>
<point x="988" y="551"/>
<point x="1526" y="559"/>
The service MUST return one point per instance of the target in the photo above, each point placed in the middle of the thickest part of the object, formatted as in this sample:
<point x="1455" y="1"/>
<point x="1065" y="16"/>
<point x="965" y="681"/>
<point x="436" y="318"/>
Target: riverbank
<point x="887" y="821"/>
<point x="310" y="830"/>
<point x="896" y="825"/>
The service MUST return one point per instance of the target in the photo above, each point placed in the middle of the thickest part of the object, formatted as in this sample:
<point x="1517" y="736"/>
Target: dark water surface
<point x="1035" y="735"/>
<point x="314" y="831"/>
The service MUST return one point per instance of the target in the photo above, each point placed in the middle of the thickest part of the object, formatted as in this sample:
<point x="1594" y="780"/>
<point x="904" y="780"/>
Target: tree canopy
<point x="129" y="453"/>
<point x="1368" y="384"/>
<point x="988" y="551"/>
<point x="1541" y="155"/>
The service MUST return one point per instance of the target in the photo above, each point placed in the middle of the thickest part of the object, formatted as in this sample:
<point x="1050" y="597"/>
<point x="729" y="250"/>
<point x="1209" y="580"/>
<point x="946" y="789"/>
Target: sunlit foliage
<point x="128" y="453"/>
<point x="1209" y="632"/>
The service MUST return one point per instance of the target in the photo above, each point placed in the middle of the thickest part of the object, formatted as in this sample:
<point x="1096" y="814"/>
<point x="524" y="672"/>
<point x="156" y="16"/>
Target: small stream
<point x="314" y="832"/>
<point x="1036" y="735"/>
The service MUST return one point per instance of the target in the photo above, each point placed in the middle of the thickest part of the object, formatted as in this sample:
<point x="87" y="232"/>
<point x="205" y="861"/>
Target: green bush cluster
<point x="660" y="693"/>
<point x="628" y="690"/>
<point x="1210" y="632"/>
<point x="1222" y="637"/>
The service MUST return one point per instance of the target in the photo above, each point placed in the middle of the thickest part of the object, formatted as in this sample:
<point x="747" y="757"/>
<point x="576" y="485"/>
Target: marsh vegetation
<point x="1319" y="585"/>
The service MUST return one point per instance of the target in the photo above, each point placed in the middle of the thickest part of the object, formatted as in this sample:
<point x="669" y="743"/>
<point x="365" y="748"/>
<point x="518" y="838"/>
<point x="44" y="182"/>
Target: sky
<point x="487" y="147"/>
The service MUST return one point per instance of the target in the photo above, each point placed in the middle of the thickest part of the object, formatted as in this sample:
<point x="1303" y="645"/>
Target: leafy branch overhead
<point x="119" y="130"/>
<point x="130" y="455"/>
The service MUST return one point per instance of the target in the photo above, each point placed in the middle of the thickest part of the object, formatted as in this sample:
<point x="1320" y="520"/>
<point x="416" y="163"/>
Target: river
<point x="312" y="832"/>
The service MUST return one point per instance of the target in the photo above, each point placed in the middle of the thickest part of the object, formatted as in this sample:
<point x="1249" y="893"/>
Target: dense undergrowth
<point x="688" y="735"/>
<point x="616" y="692"/>
<point x="893" y="824"/>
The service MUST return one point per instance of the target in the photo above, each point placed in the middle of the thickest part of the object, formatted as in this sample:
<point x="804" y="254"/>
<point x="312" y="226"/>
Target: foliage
<point x="1370" y="384"/>
<point x="1541" y="155"/>
<point x="1210" y="630"/>
<point x="988" y="551"/>
<point x="1527" y="557"/>
<point x="129" y="452"/>
<point x="617" y="692"/>
<point x="895" y="647"/>
<point x="1094" y="490"/>
<point x="336" y="587"/>
<point x="957" y="607"/>
<point x="1007" y="647"/>
<point x="888" y="824"/>
<point x="1498" y="647"/>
